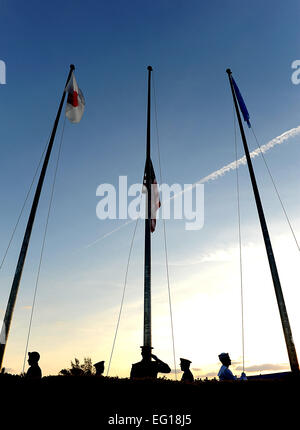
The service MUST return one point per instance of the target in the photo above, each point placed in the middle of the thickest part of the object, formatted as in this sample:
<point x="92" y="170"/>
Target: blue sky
<point x="189" y="44"/>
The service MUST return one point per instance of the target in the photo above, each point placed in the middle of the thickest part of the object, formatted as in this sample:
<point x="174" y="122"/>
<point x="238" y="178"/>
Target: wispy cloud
<point x="219" y="256"/>
<point x="264" y="367"/>
<point x="257" y="368"/>
<point x="109" y="233"/>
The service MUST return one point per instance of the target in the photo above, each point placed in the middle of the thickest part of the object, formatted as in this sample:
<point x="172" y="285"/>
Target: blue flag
<point x="241" y="103"/>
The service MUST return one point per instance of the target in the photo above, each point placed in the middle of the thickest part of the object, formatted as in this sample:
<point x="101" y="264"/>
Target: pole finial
<point x="149" y="68"/>
<point x="72" y="67"/>
<point x="228" y="71"/>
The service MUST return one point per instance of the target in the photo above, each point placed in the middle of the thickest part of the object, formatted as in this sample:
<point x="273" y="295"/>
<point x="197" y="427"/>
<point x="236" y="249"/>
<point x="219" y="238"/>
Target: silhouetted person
<point x="99" y="368"/>
<point x="185" y="367"/>
<point x="146" y="368"/>
<point x="225" y="373"/>
<point x="34" y="371"/>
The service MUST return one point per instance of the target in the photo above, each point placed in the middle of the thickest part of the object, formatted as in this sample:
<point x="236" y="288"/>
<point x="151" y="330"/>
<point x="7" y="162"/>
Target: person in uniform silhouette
<point x="225" y="373"/>
<point x="34" y="371"/>
<point x="99" y="368"/>
<point x="146" y="368"/>
<point x="185" y="367"/>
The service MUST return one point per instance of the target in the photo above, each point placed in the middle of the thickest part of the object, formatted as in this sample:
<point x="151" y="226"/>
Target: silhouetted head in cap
<point x="225" y="359"/>
<point x="184" y="364"/>
<point x="146" y="352"/>
<point x="99" y="367"/>
<point x="33" y="358"/>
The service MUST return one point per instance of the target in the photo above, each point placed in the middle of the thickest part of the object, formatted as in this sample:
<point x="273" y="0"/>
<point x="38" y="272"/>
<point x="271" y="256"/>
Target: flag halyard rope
<point x="23" y="206"/>
<point x="240" y="245"/>
<point x="276" y="190"/>
<point x="123" y="296"/>
<point x="165" y="235"/>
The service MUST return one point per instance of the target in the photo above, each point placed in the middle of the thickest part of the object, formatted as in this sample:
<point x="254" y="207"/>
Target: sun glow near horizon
<point x="206" y="308"/>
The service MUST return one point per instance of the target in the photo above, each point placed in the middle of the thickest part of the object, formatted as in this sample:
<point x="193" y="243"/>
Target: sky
<point x="189" y="44"/>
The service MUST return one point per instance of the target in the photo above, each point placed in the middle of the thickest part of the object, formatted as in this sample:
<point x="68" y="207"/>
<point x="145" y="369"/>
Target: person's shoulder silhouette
<point x="146" y="368"/>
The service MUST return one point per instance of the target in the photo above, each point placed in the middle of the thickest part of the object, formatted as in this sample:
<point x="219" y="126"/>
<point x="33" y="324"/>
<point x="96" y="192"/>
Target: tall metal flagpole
<point x="147" y="270"/>
<point x="24" y="248"/>
<point x="276" y="281"/>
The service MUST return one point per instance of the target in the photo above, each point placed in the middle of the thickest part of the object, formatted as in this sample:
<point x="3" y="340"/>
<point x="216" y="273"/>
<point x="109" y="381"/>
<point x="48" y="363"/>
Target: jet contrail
<point x="264" y="148"/>
<point x="109" y="233"/>
<point x="222" y="171"/>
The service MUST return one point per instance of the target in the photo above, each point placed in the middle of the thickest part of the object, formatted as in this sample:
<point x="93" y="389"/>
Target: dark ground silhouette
<point x="70" y="400"/>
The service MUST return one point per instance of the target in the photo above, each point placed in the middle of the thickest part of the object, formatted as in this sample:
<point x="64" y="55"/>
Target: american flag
<point x="155" y="201"/>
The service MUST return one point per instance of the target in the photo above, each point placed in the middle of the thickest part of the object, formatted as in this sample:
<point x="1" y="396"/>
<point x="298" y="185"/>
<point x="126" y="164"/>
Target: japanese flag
<point x="75" y="101"/>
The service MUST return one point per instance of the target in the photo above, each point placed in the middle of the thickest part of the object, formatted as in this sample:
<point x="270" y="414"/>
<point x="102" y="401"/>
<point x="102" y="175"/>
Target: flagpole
<point x="272" y="263"/>
<point x="147" y="270"/>
<point x="22" y="256"/>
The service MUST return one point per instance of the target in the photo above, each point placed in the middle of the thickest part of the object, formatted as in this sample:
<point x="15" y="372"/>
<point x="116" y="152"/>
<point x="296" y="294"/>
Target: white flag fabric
<point x="75" y="101"/>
